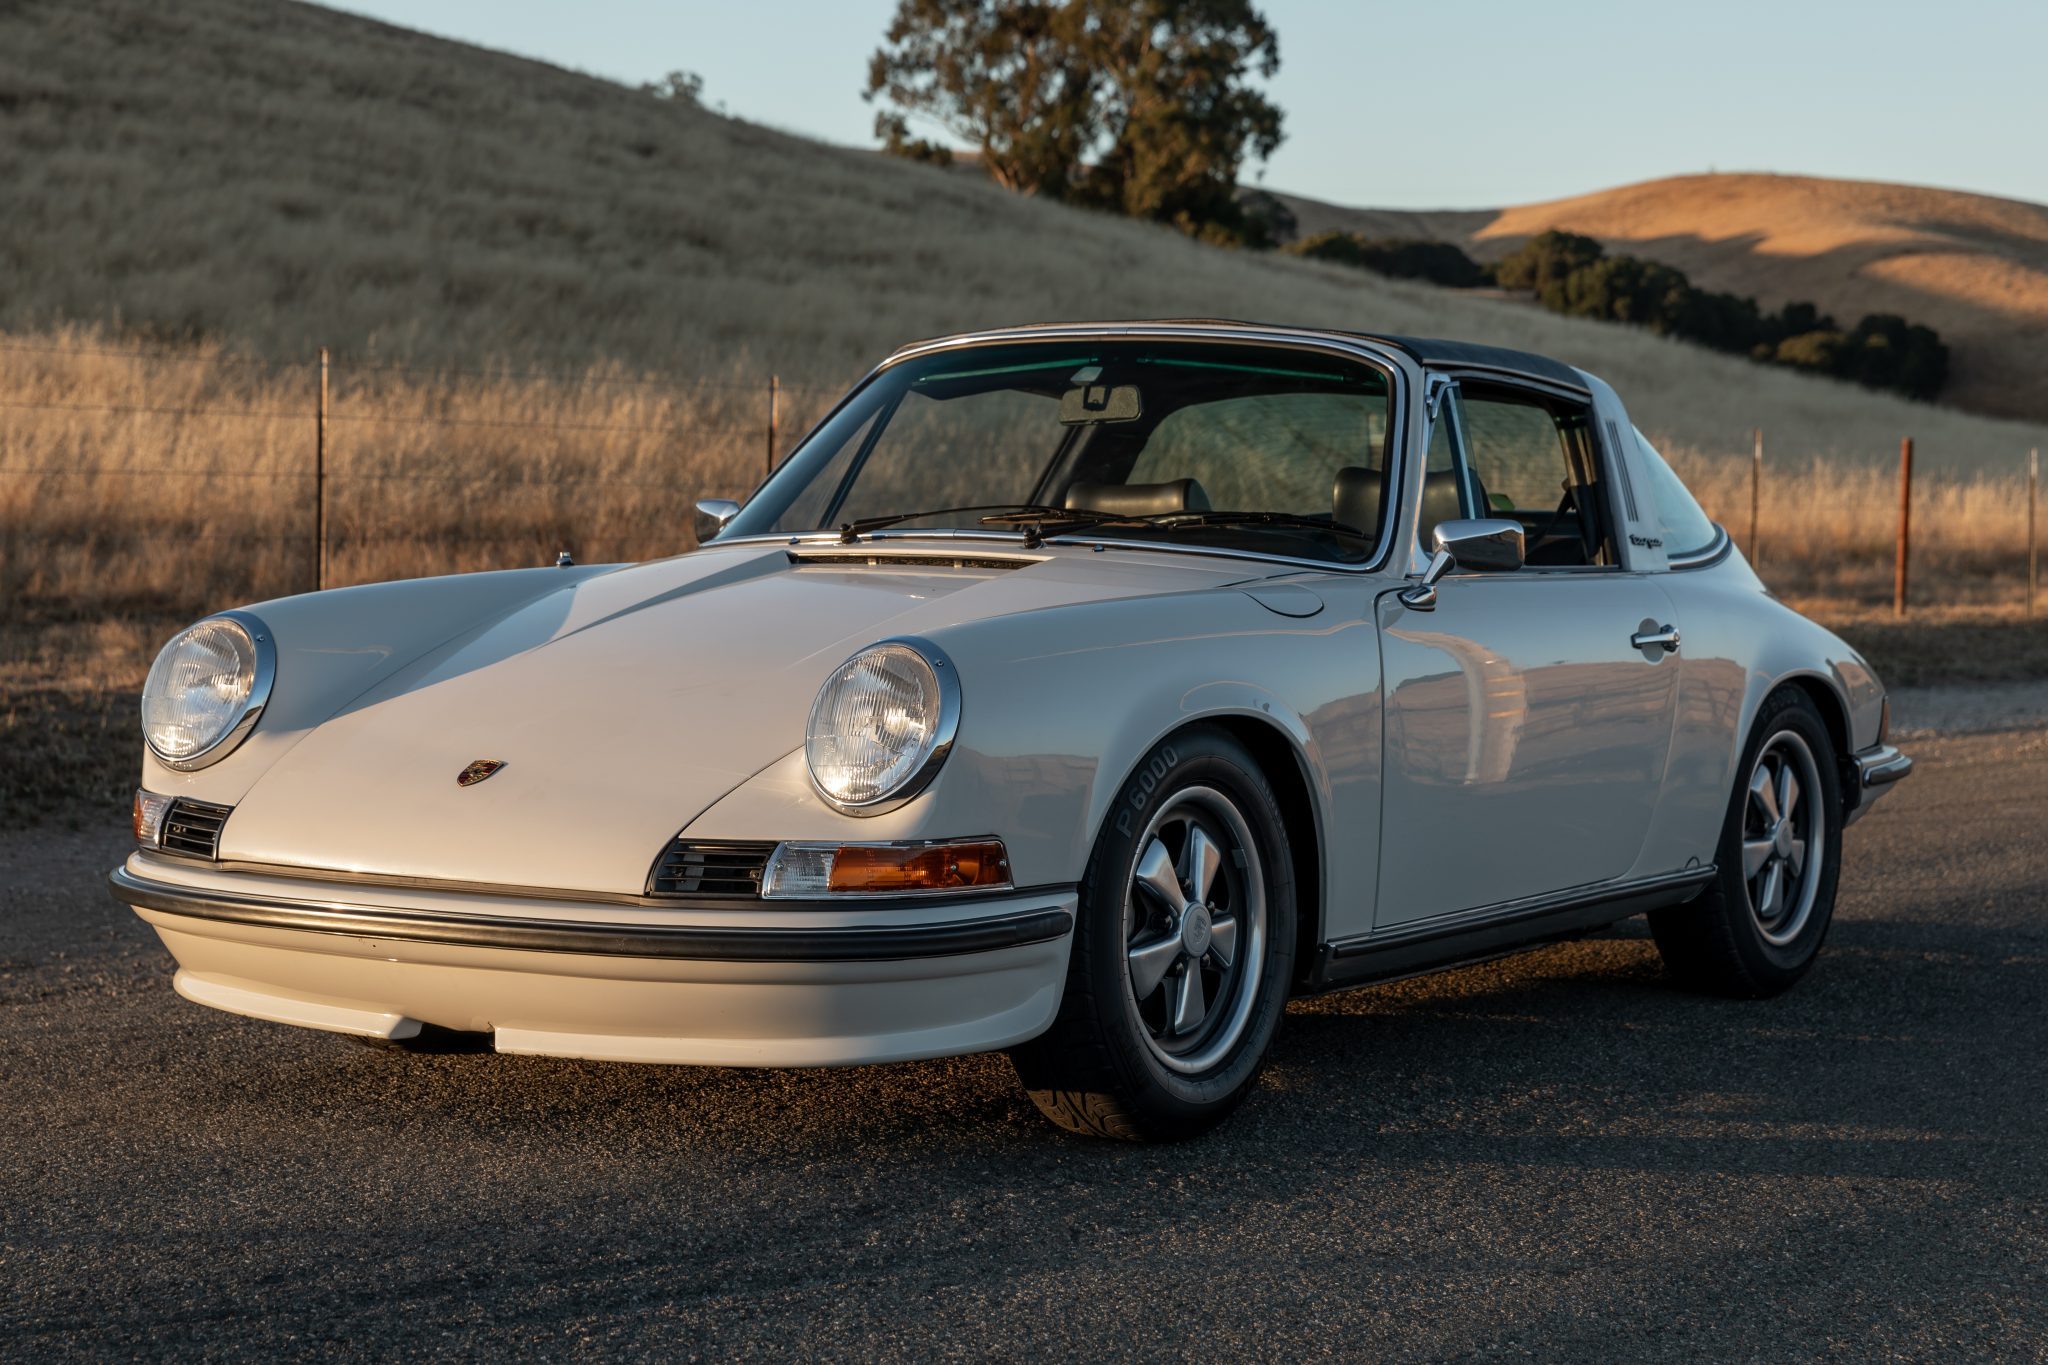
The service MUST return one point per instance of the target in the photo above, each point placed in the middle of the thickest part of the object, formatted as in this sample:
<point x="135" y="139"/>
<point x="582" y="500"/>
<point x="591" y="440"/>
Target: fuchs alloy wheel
<point x="1182" y="956"/>
<point x="1758" y="926"/>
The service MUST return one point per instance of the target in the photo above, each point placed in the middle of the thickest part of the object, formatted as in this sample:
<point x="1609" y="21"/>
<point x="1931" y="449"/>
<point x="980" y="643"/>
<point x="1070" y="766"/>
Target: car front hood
<point x="621" y="707"/>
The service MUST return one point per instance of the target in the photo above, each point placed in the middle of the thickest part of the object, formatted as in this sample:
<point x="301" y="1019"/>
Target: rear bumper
<point x="745" y="985"/>
<point x="1877" y="768"/>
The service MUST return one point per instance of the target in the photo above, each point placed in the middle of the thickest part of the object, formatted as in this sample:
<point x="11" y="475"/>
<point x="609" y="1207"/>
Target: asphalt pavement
<point x="1557" y="1155"/>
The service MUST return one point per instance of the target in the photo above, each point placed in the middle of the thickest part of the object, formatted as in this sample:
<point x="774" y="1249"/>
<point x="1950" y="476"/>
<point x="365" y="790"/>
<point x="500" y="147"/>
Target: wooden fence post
<point x="774" y="416"/>
<point x="1756" y="488"/>
<point x="1905" y="525"/>
<point x="2033" y="552"/>
<point x="320" y="485"/>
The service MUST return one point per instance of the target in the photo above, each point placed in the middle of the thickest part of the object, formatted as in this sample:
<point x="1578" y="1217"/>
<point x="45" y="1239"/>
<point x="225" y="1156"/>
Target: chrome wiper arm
<point x="1176" y="520"/>
<point x="853" y="530"/>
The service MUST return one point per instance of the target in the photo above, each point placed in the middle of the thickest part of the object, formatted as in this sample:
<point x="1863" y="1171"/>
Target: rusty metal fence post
<point x="320" y="484"/>
<point x="2033" y="550"/>
<point x="1905" y="526"/>
<point x="1756" y="490"/>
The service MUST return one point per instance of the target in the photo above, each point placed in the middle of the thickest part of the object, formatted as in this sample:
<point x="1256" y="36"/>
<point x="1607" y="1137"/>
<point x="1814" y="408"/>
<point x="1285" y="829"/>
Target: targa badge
<point x="478" y="771"/>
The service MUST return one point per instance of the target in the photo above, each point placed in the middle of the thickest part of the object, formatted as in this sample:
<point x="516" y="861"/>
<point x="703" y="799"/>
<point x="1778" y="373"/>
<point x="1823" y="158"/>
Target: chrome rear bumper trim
<point x="1876" y="769"/>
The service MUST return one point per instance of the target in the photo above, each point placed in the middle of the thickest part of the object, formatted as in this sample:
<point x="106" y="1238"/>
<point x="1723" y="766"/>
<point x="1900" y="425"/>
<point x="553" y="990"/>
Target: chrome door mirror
<point x="712" y="515"/>
<point x="1478" y="545"/>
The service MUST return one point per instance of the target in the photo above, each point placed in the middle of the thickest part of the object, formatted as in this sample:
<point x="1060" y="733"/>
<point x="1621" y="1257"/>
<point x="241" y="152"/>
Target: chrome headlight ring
<point x="916" y="662"/>
<point x="259" y="667"/>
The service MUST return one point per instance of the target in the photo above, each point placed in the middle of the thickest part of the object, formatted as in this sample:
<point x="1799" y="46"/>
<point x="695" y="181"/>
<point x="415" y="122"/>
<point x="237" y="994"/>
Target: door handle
<point x="1663" y="637"/>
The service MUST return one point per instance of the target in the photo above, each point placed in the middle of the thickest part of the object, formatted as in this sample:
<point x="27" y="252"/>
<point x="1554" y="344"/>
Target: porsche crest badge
<point x="478" y="771"/>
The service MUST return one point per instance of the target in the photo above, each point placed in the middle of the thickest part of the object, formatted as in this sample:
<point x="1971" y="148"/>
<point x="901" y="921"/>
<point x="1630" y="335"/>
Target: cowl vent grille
<point x="689" y="868"/>
<point x="193" y="828"/>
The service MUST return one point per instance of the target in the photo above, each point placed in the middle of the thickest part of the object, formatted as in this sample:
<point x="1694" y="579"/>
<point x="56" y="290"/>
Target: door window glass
<point x="1526" y="460"/>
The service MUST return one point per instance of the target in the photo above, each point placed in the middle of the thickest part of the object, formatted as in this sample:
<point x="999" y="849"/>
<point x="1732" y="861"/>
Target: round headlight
<point x="881" y="726"/>
<point x="205" y="690"/>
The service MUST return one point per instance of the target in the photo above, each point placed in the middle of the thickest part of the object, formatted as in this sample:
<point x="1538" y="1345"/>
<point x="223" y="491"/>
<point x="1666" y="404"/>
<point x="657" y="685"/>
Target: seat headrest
<point x="1355" y="498"/>
<point x="1439" y="503"/>
<point x="1138" y="499"/>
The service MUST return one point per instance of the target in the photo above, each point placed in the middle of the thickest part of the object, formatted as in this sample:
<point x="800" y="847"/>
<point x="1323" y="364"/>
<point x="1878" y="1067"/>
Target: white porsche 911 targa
<point x="1081" y="691"/>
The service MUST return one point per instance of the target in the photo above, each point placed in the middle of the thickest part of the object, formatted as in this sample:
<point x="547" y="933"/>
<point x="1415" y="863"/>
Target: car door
<point x="1526" y="733"/>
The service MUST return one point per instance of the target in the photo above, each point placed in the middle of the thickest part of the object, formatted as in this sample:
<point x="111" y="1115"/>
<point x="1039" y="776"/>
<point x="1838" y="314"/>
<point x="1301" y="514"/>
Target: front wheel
<point x="1759" y="924"/>
<point x="1182" y="953"/>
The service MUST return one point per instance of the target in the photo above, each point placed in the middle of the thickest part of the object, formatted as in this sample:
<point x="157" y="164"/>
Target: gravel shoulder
<point x="1964" y="709"/>
<point x="1555" y="1155"/>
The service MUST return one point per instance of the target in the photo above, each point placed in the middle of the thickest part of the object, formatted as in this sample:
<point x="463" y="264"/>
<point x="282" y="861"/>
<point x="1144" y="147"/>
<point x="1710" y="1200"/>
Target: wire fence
<point x="355" y="457"/>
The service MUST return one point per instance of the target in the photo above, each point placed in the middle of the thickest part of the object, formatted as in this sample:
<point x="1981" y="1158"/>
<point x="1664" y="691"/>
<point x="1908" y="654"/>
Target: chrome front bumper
<point x="748" y="984"/>
<point x="1877" y="768"/>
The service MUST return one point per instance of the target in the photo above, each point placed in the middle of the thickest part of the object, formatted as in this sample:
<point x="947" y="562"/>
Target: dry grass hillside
<point x="1972" y="267"/>
<point x="553" y="305"/>
<point x="273" y="176"/>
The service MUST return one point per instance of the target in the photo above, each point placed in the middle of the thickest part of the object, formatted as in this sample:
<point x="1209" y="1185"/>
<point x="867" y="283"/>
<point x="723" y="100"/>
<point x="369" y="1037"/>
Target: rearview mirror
<point x="1477" y="545"/>
<point x="1101" y="403"/>
<point x="712" y="515"/>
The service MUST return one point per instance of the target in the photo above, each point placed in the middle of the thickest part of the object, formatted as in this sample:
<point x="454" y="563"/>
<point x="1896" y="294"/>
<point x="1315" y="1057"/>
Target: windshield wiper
<point x="1033" y="517"/>
<point x="853" y="530"/>
<point x="1175" y="520"/>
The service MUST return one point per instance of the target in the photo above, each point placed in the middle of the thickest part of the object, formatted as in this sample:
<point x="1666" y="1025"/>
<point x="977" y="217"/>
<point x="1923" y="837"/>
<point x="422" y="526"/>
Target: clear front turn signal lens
<point x="799" y="871"/>
<point x="148" y="819"/>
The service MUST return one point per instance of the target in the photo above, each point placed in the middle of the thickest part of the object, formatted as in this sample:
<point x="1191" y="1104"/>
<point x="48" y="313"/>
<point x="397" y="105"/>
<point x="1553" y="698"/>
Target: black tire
<point x="1721" y="942"/>
<point x="1102" y="1070"/>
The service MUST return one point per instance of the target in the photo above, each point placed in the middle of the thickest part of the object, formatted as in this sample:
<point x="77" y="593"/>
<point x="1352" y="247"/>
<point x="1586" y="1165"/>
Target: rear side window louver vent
<point x="193" y="828"/>
<point x="688" y="868"/>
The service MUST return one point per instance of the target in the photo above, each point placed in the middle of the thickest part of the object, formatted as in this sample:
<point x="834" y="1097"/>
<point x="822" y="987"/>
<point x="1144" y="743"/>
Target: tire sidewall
<point x="1208" y="758"/>
<point x="1793" y="712"/>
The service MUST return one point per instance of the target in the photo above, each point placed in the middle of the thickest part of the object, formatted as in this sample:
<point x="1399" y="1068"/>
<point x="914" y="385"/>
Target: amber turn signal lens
<point x="935" y="867"/>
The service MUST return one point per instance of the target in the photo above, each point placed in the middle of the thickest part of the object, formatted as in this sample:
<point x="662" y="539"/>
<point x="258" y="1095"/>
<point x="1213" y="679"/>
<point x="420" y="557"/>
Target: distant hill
<point x="276" y="176"/>
<point x="1972" y="267"/>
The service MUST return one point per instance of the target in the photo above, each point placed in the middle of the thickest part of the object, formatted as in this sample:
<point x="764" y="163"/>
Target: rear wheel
<point x="1182" y="954"/>
<point x="1758" y="926"/>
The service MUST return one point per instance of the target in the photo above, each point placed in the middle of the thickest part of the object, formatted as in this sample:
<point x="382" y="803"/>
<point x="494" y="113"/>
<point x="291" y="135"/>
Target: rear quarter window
<point x="1688" y="530"/>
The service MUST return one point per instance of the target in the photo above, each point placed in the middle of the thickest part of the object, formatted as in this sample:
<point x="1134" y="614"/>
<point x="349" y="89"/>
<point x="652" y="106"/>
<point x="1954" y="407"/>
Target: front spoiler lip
<point x="876" y="943"/>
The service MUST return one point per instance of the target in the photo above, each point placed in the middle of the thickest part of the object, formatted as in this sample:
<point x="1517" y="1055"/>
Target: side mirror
<point x="712" y="515"/>
<point x="1479" y="545"/>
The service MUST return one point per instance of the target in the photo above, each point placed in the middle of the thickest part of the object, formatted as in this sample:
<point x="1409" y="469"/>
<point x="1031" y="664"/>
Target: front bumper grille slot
<point x="193" y="828"/>
<point x="694" y="868"/>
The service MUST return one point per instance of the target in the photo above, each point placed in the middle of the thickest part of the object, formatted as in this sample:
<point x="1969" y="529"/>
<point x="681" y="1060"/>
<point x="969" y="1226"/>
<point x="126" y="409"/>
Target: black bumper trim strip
<point x="878" y="943"/>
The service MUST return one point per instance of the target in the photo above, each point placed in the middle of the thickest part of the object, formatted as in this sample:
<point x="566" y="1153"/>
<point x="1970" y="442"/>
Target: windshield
<point x="1190" y="437"/>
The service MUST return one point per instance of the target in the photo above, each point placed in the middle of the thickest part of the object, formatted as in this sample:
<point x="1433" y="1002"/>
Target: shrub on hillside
<point x="1403" y="259"/>
<point x="1573" y="274"/>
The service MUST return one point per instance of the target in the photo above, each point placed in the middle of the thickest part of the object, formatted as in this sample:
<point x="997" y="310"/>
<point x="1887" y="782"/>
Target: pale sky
<point x="1423" y="104"/>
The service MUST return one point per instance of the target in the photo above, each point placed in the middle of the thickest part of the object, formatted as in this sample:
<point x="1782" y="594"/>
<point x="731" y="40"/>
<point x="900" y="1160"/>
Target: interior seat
<point x="1439" y="503"/>
<point x="1139" y="499"/>
<point x="1355" y="498"/>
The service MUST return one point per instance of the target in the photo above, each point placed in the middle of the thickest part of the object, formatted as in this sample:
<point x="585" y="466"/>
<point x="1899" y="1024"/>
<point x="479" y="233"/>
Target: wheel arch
<point x="1288" y="771"/>
<point x="1834" y="714"/>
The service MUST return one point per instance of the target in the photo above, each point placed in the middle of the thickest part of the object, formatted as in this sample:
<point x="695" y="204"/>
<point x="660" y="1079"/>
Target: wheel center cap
<point x="1195" y="930"/>
<point x="1781" y="840"/>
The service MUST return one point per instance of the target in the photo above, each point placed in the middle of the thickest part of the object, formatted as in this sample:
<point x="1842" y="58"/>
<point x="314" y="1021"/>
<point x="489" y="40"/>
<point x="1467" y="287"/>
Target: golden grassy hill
<point x="1972" y="267"/>
<point x="275" y="176"/>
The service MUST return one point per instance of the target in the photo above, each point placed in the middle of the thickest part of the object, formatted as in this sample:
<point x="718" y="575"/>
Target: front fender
<point x="1059" y="707"/>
